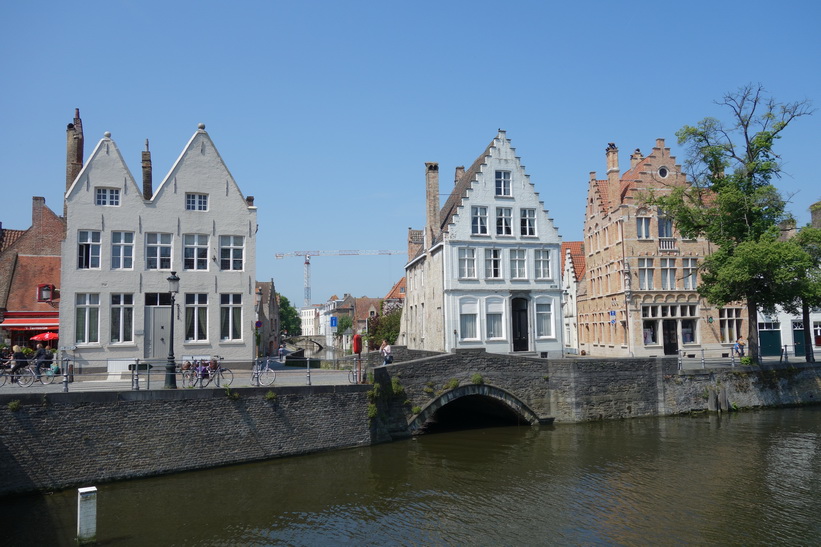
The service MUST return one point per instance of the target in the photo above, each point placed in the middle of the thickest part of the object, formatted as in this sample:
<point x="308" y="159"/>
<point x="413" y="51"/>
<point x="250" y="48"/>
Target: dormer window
<point x="196" y="202"/>
<point x="107" y="197"/>
<point x="45" y="293"/>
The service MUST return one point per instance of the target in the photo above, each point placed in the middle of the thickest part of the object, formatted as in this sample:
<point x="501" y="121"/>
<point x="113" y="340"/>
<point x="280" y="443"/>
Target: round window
<point x="663" y="172"/>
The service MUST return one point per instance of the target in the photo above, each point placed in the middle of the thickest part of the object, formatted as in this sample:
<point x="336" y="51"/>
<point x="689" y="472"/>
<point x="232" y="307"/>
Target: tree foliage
<point x="732" y="202"/>
<point x="289" y="317"/>
<point x="344" y="322"/>
<point x="384" y="327"/>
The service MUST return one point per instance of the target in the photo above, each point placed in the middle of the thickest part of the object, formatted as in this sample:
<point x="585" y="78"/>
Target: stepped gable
<point x="460" y="189"/>
<point x="576" y="251"/>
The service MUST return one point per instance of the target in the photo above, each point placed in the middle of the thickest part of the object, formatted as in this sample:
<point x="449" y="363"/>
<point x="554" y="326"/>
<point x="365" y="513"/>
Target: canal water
<point x="751" y="478"/>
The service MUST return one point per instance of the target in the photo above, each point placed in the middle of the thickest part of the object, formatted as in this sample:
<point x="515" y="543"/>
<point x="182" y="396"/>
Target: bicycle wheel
<point x="267" y="376"/>
<point x="3" y="377"/>
<point x="46" y="376"/>
<point x="25" y="378"/>
<point x="204" y="379"/>
<point x="352" y="376"/>
<point x="226" y="376"/>
<point x="188" y="378"/>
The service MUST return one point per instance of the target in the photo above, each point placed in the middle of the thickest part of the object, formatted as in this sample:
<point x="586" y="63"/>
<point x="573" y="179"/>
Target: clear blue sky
<point x="326" y="111"/>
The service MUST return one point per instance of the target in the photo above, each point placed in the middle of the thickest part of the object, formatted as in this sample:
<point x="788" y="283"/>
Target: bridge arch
<point x="500" y="396"/>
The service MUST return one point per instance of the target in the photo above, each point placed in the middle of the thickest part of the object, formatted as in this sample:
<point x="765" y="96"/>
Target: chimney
<point x="148" y="189"/>
<point x="815" y="215"/>
<point x="460" y="172"/>
<point x="612" y="175"/>
<point x="635" y="158"/>
<point x="74" y="148"/>
<point x="249" y="201"/>
<point x="432" y="202"/>
<point x="37" y="205"/>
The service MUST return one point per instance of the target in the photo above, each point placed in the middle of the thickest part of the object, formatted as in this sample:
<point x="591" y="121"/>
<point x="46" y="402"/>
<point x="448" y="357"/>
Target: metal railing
<point x="726" y="357"/>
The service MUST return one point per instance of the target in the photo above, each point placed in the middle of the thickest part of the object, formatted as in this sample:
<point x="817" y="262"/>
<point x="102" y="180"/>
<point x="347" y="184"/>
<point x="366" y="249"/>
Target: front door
<point x="520" y="342"/>
<point x="798" y="338"/>
<point x="670" y="336"/>
<point x="157" y="330"/>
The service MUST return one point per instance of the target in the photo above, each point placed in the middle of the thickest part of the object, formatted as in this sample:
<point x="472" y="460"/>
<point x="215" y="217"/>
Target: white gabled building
<point x="122" y="243"/>
<point x="485" y="271"/>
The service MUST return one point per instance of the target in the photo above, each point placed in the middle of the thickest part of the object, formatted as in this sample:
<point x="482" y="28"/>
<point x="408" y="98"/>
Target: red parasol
<point x="46" y="336"/>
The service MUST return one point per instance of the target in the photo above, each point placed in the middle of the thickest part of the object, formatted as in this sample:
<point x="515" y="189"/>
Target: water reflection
<point x="750" y="478"/>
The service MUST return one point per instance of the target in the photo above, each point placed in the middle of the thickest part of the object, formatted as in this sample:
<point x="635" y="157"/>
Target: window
<point x="122" y="250"/>
<point x="518" y="264"/>
<point x="468" y="309"/>
<point x="157" y="299"/>
<point x="493" y="263"/>
<point x="493" y="318"/>
<point x="88" y="251"/>
<point x="729" y="324"/>
<point x="467" y="263"/>
<point x="544" y="319"/>
<point x="668" y="273"/>
<point x="528" y="222"/>
<point x="643" y="227"/>
<point x="122" y="318"/>
<point x="196" y="317"/>
<point x="157" y="251"/>
<point x="650" y="333"/>
<point x="665" y="225"/>
<point x="87" y="318"/>
<point x="542" y="263"/>
<point x="107" y="196"/>
<point x="479" y="220"/>
<point x="646" y="274"/>
<point x="503" y="183"/>
<point x="504" y="221"/>
<point x="195" y="251"/>
<point x="231" y="252"/>
<point x="689" y="267"/>
<point x="231" y="317"/>
<point x="196" y="202"/>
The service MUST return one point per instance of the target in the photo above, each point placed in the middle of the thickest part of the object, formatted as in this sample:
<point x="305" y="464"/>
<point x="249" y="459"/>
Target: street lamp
<point x="171" y="366"/>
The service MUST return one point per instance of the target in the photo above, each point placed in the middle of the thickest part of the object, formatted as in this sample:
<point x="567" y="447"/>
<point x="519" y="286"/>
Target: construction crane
<point x="309" y="254"/>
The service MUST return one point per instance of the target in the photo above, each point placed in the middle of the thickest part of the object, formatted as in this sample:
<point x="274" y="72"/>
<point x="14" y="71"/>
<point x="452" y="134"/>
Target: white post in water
<point x="87" y="515"/>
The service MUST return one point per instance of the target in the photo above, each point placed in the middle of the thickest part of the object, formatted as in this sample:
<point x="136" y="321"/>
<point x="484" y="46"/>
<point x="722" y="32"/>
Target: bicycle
<point x="222" y="376"/>
<point x="24" y="376"/>
<point x="267" y="376"/>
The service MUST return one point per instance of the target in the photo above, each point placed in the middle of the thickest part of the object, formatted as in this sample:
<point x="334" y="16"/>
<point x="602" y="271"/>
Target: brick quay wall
<point x="61" y="440"/>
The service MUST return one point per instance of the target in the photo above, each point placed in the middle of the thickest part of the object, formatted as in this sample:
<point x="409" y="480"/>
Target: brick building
<point x="30" y="276"/>
<point x="638" y="294"/>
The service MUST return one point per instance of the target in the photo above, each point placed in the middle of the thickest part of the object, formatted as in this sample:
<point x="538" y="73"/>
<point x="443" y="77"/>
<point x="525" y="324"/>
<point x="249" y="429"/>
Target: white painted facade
<point x="497" y="263"/>
<point x="784" y="332"/>
<point x="309" y="321"/>
<point x="120" y="249"/>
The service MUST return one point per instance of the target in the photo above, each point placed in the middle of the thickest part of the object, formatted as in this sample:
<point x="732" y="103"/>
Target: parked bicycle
<point x="267" y="375"/>
<point x="203" y="373"/>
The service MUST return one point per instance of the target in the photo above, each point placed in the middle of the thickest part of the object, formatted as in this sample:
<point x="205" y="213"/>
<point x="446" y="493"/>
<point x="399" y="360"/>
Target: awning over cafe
<point x="30" y="323"/>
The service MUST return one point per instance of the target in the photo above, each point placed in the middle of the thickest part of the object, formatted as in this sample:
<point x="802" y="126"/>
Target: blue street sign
<point x="333" y="320"/>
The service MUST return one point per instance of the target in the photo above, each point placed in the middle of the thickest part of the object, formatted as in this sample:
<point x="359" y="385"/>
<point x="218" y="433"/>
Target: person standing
<point x="741" y="344"/>
<point x="385" y="350"/>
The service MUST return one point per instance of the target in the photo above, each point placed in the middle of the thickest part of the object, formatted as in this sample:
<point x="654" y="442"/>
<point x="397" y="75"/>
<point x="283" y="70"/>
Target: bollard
<point x="87" y="515"/>
<point x="135" y="376"/>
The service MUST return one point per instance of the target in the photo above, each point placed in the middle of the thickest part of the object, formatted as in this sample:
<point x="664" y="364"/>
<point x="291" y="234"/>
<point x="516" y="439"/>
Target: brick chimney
<point x="148" y="189"/>
<point x="74" y="148"/>
<point x="460" y="172"/>
<point x="431" y="202"/>
<point x="612" y="175"/>
<point x="635" y="158"/>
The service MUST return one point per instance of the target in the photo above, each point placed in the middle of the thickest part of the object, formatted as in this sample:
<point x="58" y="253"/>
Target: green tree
<point x="289" y="317"/>
<point x="809" y="240"/>
<point x="384" y="327"/>
<point x="732" y="202"/>
<point x="343" y="323"/>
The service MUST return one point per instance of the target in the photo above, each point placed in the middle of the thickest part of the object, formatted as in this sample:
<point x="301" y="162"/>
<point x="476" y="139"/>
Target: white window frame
<point x="479" y="221"/>
<point x="545" y="327"/>
<point x="689" y="268"/>
<point x="504" y="221"/>
<point x="122" y="318"/>
<point x="503" y="185"/>
<point x="643" y="227"/>
<point x="196" y="201"/>
<point x="467" y="263"/>
<point x="541" y="263"/>
<point x="527" y="222"/>
<point x="88" y="249"/>
<point x="195" y="252"/>
<point x="518" y="264"/>
<point x="468" y="319"/>
<point x="730" y="322"/>
<point x="87" y="318"/>
<point x="158" y="250"/>
<point x="668" y="274"/>
<point x="493" y="264"/>
<point x="107" y="197"/>
<point x="232" y="250"/>
<point x="646" y="274"/>
<point x="122" y="250"/>
<point x="196" y="314"/>
<point x="231" y="317"/>
<point x="495" y="319"/>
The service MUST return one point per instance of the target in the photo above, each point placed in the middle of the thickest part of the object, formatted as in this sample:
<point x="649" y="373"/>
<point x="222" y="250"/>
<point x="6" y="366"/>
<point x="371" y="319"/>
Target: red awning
<point x="30" y="323"/>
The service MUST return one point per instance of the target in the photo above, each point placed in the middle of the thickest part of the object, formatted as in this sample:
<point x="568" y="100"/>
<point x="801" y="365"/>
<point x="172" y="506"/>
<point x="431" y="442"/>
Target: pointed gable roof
<point x="105" y="159"/>
<point x="463" y="184"/>
<point x="574" y="250"/>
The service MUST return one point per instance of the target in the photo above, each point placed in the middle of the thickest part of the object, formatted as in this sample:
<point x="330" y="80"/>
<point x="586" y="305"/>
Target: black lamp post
<point x="171" y="366"/>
